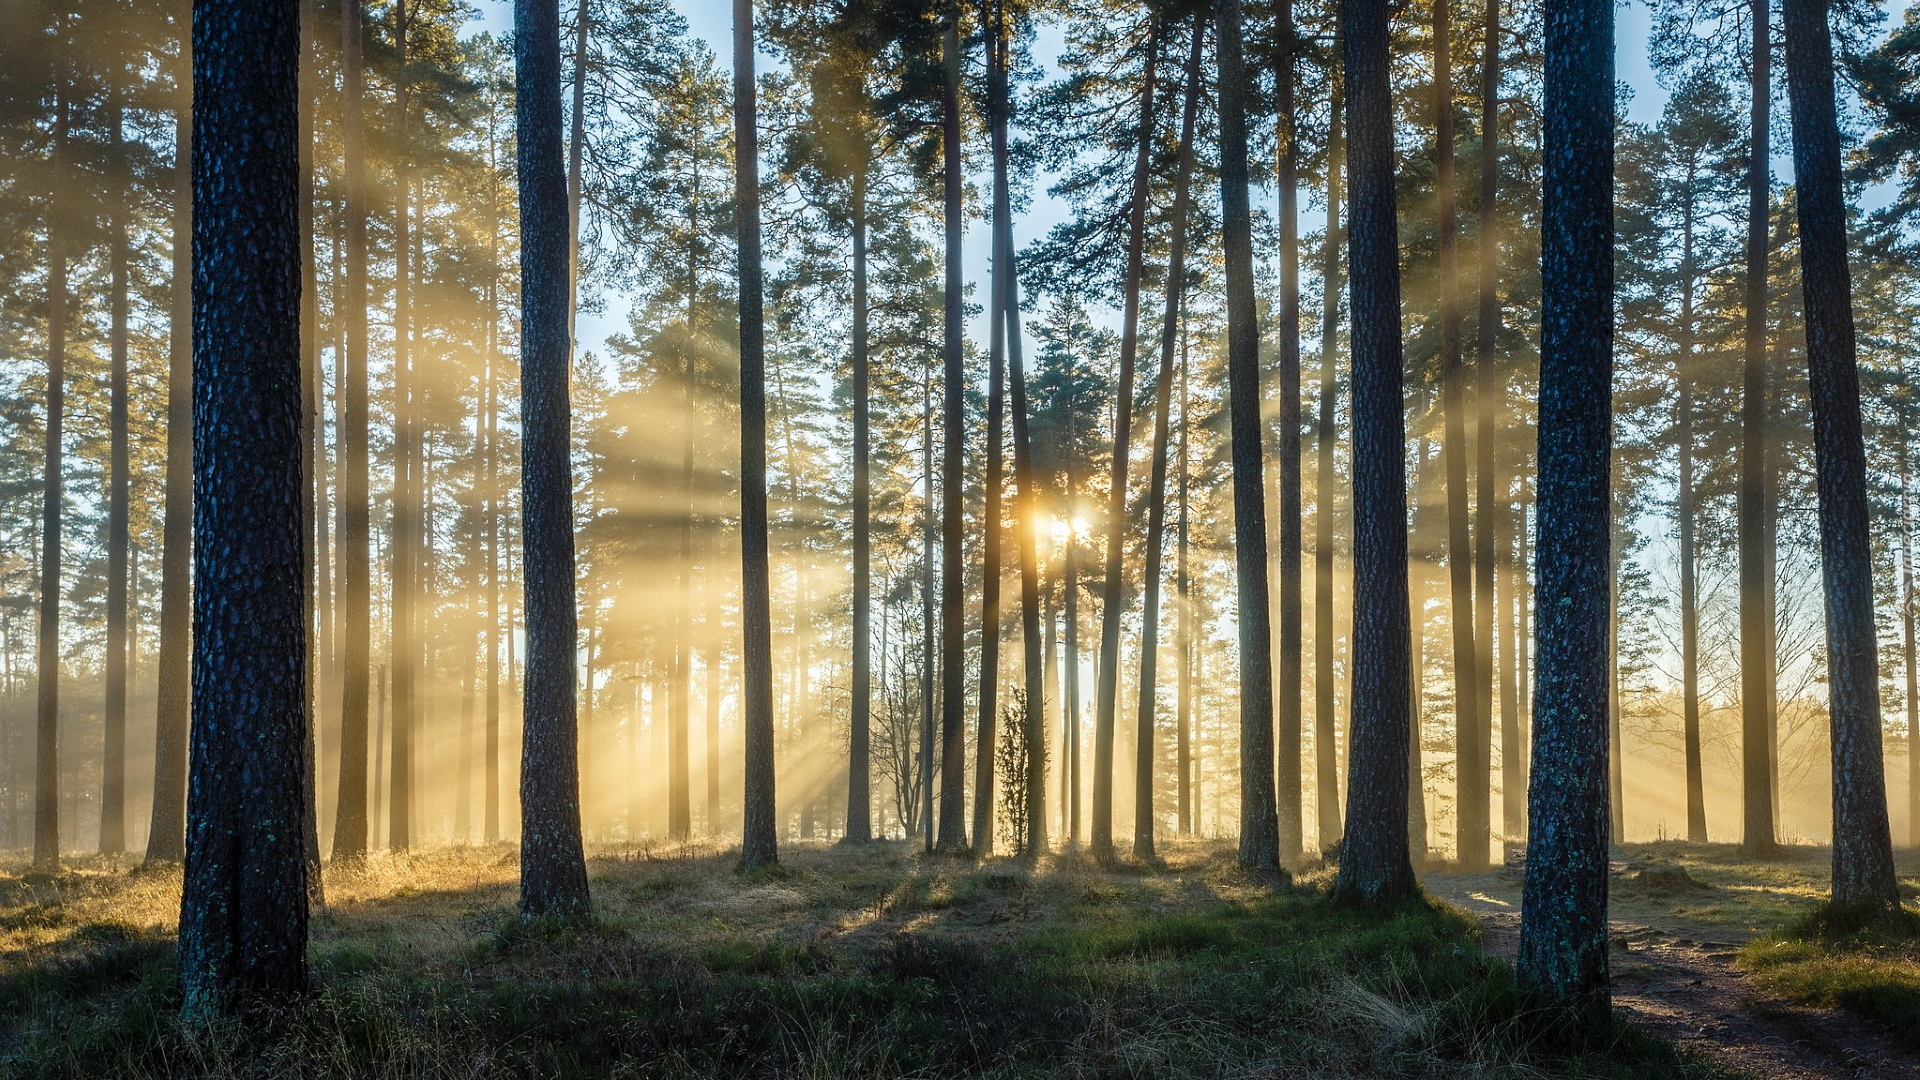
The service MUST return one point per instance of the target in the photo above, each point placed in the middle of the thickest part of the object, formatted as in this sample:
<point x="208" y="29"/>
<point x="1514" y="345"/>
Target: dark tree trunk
<point x="350" y="826"/>
<point x="1756" y="615"/>
<point x="1470" y="762"/>
<point x="953" y="417"/>
<point x="1157" y="483"/>
<point x="406" y="554"/>
<point x="1113" y="607"/>
<point x="1259" y="817"/>
<point x="1374" y="865"/>
<point x="1070" y="614"/>
<point x="1027" y="495"/>
<point x="1563" y="930"/>
<point x="1183" y="751"/>
<point x="991" y="525"/>
<point x="167" y="831"/>
<point x="243" y="911"/>
<point x="1488" y="508"/>
<point x="113" y="786"/>
<point x="759" y="841"/>
<point x="553" y="869"/>
<point x="1684" y="509"/>
<point x="46" y="806"/>
<point x="1863" y="874"/>
<point x="859" y="763"/>
<point x="1326" y="761"/>
<point x="1287" y="712"/>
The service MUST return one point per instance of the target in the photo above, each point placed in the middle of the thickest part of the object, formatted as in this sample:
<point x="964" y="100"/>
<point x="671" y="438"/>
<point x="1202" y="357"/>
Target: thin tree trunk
<point x="1563" y="928"/>
<point x="1114" y="599"/>
<point x="405" y="553"/>
<point x="679" y="722"/>
<point x="1287" y="770"/>
<point x="492" y="507"/>
<point x="859" y="755"/>
<point x="576" y="160"/>
<point x="1326" y="761"/>
<point x="1071" y="614"/>
<point x="1757" y="822"/>
<point x="46" y="817"/>
<point x="166" y="833"/>
<point x="1259" y="818"/>
<point x="113" y="755"/>
<point x="1616" y="746"/>
<point x="312" y="451"/>
<point x="1143" y="822"/>
<point x="927" y="632"/>
<point x="1026" y="489"/>
<point x="1184" y="591"/>
<point x="1470" y="767"/>
<point x="350" y="839"/>
<point x="553" y="870"/>
<point x="1684" y="509"/>
<point x="1489" y="511"/>
<point x="1374" y="864"/>
<point x="1863" y="873"/>
<point x="953" y="627"/>
<point x="1907" y="621"/>
<point x="992" y="524"/>
<point x="243" y="912"/>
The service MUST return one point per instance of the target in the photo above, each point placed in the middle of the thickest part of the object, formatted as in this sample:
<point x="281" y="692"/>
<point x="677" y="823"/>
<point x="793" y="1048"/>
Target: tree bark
<point x="1563" y="930"/>
<point x="1863" y="873"/>
<point x="1756" y="616"/>
<point x="1374" y="865"/>
<point x="1684" y="509"/>
<point x="1489" y="509"/>
<point x="759" y="844"/>
<point x="243" y="912"/>
<point x="1183" y="720"/>
<point x="1259" y="816"/>
<point x="992" y="523"/>
<point x="859" y="762"/>
<point x="553" y="869"/>
<point x="1907" y="627"/>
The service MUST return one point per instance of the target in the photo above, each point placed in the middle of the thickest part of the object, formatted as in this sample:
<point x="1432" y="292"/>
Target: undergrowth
<point x="857" y="963"/>
<point x="1840" y="959"/>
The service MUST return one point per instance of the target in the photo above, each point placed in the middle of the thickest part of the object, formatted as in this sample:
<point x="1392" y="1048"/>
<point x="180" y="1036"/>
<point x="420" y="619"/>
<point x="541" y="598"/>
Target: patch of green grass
<point x="1837" y="959"/>
<point x="847" y="963"/>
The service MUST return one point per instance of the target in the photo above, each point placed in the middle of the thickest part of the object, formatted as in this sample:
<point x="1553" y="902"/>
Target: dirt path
<point x="1677" y="979"/>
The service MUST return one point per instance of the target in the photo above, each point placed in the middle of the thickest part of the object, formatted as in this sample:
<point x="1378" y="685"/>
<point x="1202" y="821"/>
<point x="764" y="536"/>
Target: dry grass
<point x="839" y="963"/>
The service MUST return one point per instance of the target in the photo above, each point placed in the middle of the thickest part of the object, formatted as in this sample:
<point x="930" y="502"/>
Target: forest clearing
<point x="880" y="962"/>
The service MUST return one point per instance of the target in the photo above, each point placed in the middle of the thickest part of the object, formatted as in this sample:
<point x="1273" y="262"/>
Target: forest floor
<point x="840" y="963"/>
<point x="1716" y="953"/>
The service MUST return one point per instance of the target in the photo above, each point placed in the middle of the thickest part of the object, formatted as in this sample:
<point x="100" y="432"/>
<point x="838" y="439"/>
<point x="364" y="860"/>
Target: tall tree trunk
<point x="1616" y="757"/>
<point x="1374" y="863"/>
<point x="1113" y="605"/>
<point x="1863" y="875"/>
<point x="711" y="659"/>
<point x="311" y="451"/>
<point x="1183" y="720"/>
<point x="953" y="416"/>
<point x="1326" y="761"/>
<point x="859" y="760"/>
<point x="46" y="811"/>
<point x="166" y="833"/>
<point x="1157" y="485"/>
<point x="490" y="456"/>
<point x="405" y="554"/>
<point x="759" y="842"/>
<point x="928" y="644"/>
<point x="1563" y="928"/>
<point x="576" y="161"/>
<point x="1419" y="588"/>
<point x="1684" y="509"/>
<point x="1470" y="768"/>
<point x="1071" y="615"/>
<point x="113" y="755"/>
<point x="553" y="869"/>
<point x="350" y="826"/>
<point x="679" y="778"/>
<point x="993" y="517"/>
<point x="1490" y="508"/>
<point x="243" y="911"/>
<point x="1287" y="714"/>
<point x="1911" y="655"/>
<point x="1757" y="823"/>
<point x="1259" y="817"/>
<point x="1026" y="491"/>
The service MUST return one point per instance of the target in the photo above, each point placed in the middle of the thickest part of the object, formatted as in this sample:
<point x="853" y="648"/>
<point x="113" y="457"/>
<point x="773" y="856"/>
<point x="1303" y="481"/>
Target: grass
<point x="1835" y="962"/>
<point x="840" y="963"/>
